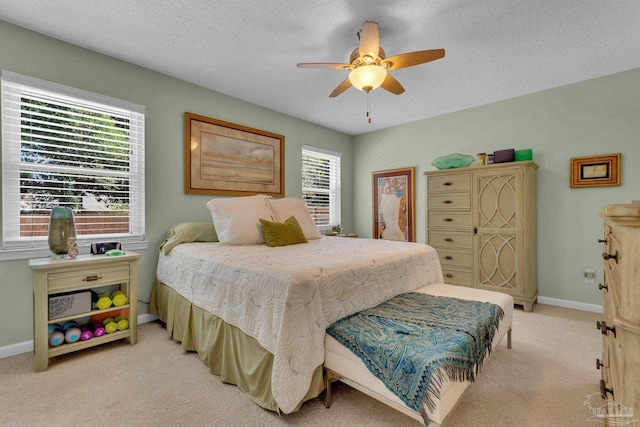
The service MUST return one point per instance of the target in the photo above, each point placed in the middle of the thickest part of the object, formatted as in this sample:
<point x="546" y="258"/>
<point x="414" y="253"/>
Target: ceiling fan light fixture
<point x="367" y="77"/>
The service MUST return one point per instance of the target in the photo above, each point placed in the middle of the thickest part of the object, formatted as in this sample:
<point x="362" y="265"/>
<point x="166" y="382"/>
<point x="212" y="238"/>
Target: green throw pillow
<point x="188" y="232"/>
<point x="282" y="234"/>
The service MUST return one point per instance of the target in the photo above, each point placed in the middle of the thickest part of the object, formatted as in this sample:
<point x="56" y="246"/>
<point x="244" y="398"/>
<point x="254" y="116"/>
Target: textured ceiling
<point x="495" y="49"/>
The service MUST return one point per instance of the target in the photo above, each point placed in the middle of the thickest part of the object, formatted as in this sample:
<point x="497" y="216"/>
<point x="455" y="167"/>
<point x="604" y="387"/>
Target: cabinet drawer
<point x="611" y="293"/>
<point x="447" y="202"/>
<point x="449" y="239"/>
<point x="456" y="277"/>
<point x="450" y="220"/>
<point x="448" y="183"/>
<point x="88" y="277"/>
<point x="454" y="258"/>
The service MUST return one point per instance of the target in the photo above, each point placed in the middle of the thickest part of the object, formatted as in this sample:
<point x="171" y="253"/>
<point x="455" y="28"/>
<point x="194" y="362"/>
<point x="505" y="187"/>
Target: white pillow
<point x="283" y="208"/>
<point x="237" y="219"/>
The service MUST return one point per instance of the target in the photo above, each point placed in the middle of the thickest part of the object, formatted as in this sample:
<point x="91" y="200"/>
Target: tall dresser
<point x="482" y="222"/>
<point x="620" y="327"/>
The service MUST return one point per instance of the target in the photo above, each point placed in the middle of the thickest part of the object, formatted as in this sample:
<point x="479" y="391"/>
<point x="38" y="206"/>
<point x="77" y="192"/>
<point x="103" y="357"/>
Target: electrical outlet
<point x="589" y="275"/>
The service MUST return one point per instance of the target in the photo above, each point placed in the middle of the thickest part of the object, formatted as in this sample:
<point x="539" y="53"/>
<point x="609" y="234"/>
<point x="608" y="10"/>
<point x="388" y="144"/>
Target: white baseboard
<point x="27" y="346"/>
<point x="570" y="304"/>
<point x="15" y="349"/>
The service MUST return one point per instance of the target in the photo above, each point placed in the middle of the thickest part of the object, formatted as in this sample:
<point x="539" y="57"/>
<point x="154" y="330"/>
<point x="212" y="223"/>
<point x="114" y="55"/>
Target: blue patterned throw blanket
<point x="414" y="341"/>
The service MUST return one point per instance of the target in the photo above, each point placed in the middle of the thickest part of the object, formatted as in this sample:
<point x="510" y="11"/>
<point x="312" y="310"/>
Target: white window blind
<point x="66" y="147"/>
<point x="321" y="184"/>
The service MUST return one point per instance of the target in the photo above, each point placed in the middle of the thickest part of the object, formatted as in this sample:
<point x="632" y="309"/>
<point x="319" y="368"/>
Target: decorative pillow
<point x="187" y="232"/>
<point x="282" y="234"/>
<point x="237" y="218"/>
<point x="284" y="208"/>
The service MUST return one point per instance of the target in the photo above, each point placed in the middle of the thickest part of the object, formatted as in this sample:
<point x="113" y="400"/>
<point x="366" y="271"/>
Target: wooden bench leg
<point x="329" y="378"/>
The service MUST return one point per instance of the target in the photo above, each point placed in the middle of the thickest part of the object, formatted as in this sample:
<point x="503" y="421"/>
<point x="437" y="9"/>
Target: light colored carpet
<point x="542" y="381"/>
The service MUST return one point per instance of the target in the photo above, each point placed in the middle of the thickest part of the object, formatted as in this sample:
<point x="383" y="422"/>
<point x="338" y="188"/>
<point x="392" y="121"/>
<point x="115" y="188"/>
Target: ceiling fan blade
<point x="410" y="59"/>
<point x="346" y="84"/>
<point x="326" y="66"/>
<point x="392" y="85"/>
<point x="369" y="40"/>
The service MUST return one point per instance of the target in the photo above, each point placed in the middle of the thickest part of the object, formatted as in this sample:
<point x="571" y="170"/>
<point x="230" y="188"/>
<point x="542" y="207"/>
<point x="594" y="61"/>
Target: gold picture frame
<point x="229" y="159"/>
<point x="393" y="205"/>
<point x="595" y="171"/>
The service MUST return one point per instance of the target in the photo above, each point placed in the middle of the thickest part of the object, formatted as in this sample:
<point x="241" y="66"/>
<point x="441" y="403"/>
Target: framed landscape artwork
<point x="595" y="171"/>
<point x="229" y="159"/>
<point x="393" y="205"/>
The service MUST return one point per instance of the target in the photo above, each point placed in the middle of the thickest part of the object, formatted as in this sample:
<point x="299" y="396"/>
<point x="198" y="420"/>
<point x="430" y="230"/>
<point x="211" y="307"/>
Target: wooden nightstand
<point x="86" y="272"/>
<point x="329" y="233"/>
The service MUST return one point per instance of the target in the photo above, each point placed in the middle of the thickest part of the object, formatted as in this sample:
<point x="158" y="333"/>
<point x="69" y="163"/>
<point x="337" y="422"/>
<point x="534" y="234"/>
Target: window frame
<point x="335" y="190"/>
<point x="15" y="247"/>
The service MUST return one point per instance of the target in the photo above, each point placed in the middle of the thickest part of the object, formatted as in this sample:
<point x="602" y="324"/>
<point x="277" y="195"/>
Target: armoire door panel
<point x="497" y="201"/>
<point x="497" y="262"/>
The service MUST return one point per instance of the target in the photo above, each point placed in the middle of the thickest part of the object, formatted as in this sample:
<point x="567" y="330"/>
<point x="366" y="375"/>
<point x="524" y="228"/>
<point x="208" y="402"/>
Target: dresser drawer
<point x="453" y="276"/>
<point x="447" y="202"/>
<point x="454" y="258"/>
<point x="448" y="183"/>
<point x="612" y="247"/>
<point x="450" y="220"/>
<point x="94" y="277"/>
<point x="611" y="293"/>
<point x="449" y="239"/>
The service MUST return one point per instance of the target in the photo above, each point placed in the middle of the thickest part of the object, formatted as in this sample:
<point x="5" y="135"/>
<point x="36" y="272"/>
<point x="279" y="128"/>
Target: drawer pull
<point x="602" y="240"/>
<point x="448" y="239"/>
<point x="448" y="257"/>
<point x="607" y="256"/>
<point x="447" y="219"/>
<point x="448" y="275"/>
<point x="447" y="183"/>
<point x="446" y="202"/>
<point x="601" y="287"/>
<point x="598" y="364"/>
<point x="604" y="390"/>
<point x="92" y="278"/>
<point x="602" y="325"/>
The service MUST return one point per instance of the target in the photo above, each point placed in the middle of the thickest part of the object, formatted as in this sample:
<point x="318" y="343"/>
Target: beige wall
<point x="598" y="116"/>
<point x="166" y="100"/>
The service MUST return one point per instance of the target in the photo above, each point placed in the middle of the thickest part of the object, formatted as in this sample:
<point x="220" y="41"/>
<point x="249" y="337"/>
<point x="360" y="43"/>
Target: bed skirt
<point x="228" y="352"/>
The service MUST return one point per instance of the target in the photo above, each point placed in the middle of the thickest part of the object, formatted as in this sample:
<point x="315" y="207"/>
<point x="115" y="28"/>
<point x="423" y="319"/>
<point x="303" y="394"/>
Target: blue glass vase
<point x="61" y="227"/>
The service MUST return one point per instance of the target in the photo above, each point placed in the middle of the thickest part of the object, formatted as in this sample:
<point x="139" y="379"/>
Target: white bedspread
<point x="285" y="297"/>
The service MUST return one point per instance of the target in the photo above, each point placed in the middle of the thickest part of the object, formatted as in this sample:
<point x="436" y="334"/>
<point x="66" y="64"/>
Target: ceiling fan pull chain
<point x="368" y="107"/>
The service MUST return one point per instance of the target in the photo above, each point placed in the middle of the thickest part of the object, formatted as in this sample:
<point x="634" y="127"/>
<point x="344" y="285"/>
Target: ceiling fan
<point x="368" y="64"/>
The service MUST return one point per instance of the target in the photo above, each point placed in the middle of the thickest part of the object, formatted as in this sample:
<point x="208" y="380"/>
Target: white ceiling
<point x="495" y="49"/>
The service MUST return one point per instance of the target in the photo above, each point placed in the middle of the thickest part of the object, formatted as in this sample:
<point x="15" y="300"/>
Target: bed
<point x="257" y="313"/>
<point x="284" y="298"/>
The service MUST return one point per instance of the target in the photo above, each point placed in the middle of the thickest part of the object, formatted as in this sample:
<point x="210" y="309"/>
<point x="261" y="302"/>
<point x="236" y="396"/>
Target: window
<point x="321" y="184"/>
<point x="66" y="147"/>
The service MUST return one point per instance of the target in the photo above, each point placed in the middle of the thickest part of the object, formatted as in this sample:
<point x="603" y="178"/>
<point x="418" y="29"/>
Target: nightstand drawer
<point x="94" y="277"/>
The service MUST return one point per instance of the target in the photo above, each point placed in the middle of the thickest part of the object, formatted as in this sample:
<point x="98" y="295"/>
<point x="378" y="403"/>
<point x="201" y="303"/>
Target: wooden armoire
<point x="482" y="222"/>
